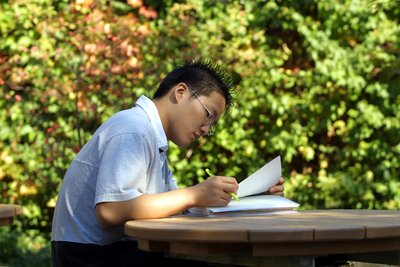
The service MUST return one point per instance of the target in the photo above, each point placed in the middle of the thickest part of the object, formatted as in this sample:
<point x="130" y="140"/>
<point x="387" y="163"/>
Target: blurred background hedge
<point x="317" y="82"/>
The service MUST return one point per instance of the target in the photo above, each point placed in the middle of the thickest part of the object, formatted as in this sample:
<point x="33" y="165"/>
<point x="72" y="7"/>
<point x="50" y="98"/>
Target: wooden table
<point x="276" y="240"/>
<point x="8" y="213"/>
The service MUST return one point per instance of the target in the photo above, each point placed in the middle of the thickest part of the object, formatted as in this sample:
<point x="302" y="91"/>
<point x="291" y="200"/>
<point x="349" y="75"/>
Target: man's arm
<point x="212" y="192"/>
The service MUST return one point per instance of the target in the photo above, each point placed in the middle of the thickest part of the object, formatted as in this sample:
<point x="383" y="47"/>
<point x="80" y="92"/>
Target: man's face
<point x="194" y="116"/>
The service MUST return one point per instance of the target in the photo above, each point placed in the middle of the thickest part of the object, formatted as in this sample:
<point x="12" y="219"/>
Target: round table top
<point x="305" y="233"/>
<point x="314" y="225"/>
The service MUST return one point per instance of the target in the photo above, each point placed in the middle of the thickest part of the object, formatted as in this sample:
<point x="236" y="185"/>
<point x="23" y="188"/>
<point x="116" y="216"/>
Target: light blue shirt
<point x="125" y="158"/>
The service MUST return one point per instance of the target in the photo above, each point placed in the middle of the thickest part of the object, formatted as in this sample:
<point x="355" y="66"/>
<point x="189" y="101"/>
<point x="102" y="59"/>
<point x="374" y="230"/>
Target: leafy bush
<point x="317" y="82"/>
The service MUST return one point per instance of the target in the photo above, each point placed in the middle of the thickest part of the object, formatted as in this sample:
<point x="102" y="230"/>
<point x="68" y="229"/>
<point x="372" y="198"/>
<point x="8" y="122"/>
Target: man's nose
<point x="205" y="129"/>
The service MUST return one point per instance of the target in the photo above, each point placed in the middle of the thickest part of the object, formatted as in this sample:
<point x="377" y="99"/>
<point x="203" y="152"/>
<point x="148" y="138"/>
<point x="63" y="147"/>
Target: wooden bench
<point x="8" y="212"/>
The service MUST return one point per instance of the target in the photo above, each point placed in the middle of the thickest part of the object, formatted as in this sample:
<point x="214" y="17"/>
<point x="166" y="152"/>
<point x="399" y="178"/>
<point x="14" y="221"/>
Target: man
<point x="122" y="173"/>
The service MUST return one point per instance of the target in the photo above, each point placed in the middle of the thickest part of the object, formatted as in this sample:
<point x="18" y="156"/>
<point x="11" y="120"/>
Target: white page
<point x="262" y="179"/>
<point x="266" y="202"/>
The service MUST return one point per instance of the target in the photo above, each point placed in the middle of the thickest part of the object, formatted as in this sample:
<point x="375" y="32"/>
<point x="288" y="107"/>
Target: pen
<point x="231" y="193"/>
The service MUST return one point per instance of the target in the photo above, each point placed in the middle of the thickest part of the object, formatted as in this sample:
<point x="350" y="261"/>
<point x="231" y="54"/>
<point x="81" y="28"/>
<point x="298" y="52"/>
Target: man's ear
<point x="179" y="91"/>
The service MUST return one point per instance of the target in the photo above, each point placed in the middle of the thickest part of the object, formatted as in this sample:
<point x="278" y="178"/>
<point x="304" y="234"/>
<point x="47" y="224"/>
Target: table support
<point x="246" y="259"/>
<point x="387" y="257"/>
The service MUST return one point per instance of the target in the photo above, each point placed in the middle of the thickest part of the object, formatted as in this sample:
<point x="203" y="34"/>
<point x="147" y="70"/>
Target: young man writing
<point x="122" y="173"/>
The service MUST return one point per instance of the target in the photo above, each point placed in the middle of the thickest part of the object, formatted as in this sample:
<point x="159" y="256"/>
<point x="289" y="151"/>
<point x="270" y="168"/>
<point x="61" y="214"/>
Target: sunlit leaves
<point x="317" y="82"/>
<point x="309" y="90"/>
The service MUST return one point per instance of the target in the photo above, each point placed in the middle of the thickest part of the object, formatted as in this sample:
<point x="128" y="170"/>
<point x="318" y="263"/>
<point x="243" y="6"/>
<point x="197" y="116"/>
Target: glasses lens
<point x="210" y="116"/>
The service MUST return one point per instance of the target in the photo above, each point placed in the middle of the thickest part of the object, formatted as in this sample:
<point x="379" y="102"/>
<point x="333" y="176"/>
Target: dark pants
<point x="119" y="254"/>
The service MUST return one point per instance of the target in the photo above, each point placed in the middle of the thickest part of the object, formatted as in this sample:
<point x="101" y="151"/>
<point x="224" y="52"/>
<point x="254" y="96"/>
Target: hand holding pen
<point x="230" y="193"/>
<point x="213" y="192"/>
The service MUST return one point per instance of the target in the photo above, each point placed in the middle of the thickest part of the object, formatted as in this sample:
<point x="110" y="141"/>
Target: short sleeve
<point x="124" y="164"/>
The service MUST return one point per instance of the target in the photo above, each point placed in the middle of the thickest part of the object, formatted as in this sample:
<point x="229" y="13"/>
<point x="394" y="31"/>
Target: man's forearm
<point x="147" y="206"/>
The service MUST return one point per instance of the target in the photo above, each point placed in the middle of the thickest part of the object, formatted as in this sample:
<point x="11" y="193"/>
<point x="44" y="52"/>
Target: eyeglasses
<point x="209" y="116"/>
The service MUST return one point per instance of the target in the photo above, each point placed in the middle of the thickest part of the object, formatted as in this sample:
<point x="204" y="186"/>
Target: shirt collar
<point x="151" y="111"/>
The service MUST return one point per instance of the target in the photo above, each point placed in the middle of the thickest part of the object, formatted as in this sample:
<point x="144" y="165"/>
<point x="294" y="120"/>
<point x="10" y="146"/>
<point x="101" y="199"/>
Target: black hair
<point x="202" y="76"/>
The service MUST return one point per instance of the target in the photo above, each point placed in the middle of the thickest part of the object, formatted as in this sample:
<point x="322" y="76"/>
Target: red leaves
<point x="148" y="12"/>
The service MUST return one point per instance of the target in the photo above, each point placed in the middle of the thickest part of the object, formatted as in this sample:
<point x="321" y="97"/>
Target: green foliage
<point x="317" y="82"/>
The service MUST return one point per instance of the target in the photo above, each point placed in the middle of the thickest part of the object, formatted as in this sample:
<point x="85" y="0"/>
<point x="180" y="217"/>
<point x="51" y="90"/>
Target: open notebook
<point x="252" y="201"/>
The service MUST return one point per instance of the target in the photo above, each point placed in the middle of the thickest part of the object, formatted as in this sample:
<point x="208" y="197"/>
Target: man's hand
<point x="214" y="191"/>
<point x="278" y="188"/>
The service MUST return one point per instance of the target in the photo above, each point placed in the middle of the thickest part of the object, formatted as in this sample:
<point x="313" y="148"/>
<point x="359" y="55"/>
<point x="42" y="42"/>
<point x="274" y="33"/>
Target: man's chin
<point x="182" y="144"/>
